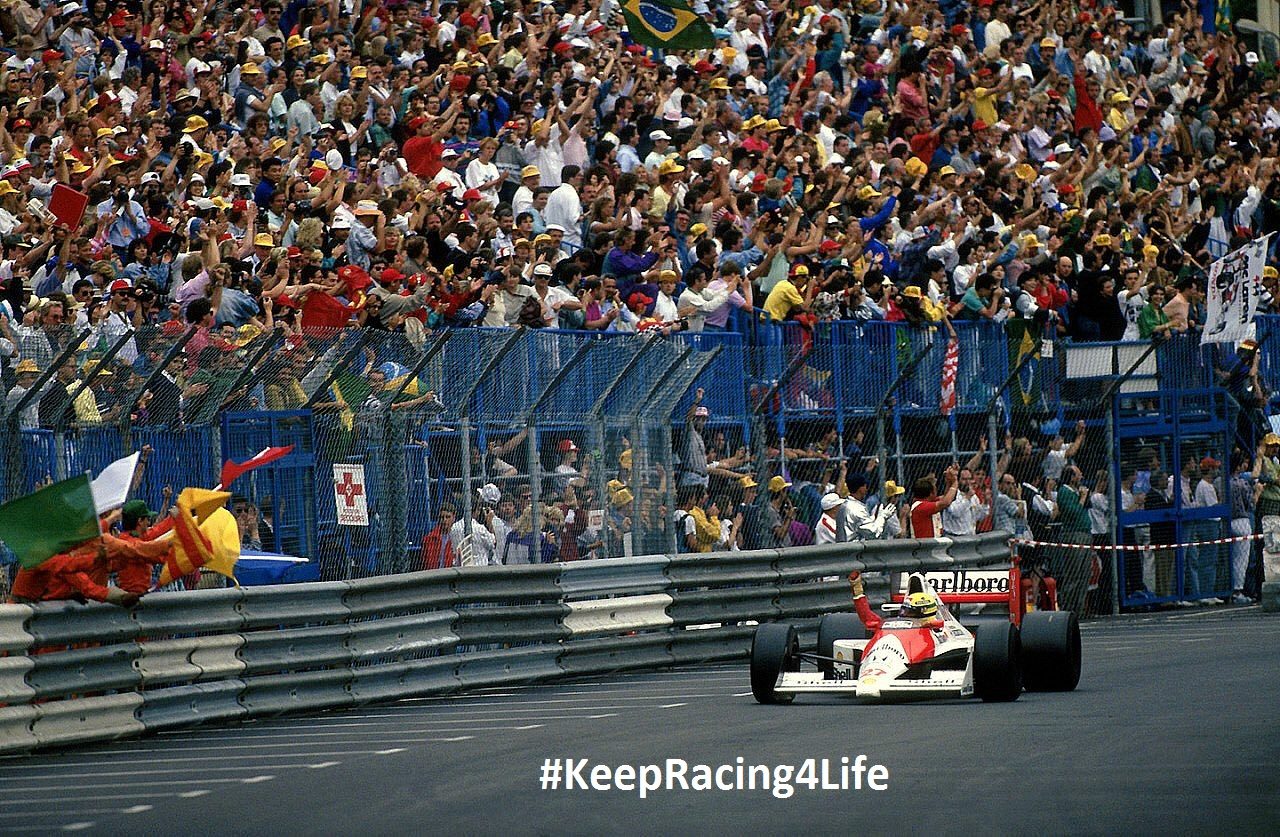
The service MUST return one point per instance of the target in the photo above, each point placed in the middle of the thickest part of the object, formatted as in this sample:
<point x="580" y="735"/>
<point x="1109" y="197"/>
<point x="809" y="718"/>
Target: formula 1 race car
<point x="922" y="650"/>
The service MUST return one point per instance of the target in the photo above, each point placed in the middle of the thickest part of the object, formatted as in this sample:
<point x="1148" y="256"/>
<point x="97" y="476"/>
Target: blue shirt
<point x="123" y="230"/>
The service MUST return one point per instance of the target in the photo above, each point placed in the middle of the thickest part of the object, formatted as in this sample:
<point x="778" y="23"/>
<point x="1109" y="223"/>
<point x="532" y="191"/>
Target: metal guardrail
<point x="73" y="673"/>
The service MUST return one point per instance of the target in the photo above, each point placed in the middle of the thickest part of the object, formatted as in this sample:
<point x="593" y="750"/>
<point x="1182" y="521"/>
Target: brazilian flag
<point x="666" y="24"/>
<point x="1225" y="16"/>
<point x="1024" y="392"/>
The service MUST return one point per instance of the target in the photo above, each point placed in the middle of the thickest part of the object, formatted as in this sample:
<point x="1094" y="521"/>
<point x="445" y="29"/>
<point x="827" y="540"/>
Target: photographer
<point x="777" y="515"/>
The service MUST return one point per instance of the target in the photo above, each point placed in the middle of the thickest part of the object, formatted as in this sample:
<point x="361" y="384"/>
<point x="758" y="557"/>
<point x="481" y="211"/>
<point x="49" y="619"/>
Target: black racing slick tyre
<point x="997" y="669"/>
<point x="1050" y="651"/>
<point x="835" y="626"/>
<point x="775" y="648"/>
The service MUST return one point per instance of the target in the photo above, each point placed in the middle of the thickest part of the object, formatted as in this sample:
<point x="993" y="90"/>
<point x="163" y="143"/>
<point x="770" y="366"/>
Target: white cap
<point x="556" y="228"/>
<point x="831" y="501"/>
<point x="195" y="178"/>
<point x="241" y="179"/>
<point x="659" y="135"/>
<point x="448" y="152"/>
<point x="685" y="122"/>
<point x="151" y="177"/>
<point x="542" y="269"/>
<point x="490" y="494"/>
<point x="341" y="223"/>
<point x="697" y="154"/>
<point x="1063" y="148"/>
<point x="1251" y="58"/>
<point x="579" y="43"/>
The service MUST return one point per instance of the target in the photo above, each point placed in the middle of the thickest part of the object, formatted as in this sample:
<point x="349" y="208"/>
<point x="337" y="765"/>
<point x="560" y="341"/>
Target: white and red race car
<point x="922" y="649"/>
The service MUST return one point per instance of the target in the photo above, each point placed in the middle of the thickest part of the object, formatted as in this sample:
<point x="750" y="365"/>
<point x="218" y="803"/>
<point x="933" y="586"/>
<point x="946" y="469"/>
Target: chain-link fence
<point x="415" y="450"/>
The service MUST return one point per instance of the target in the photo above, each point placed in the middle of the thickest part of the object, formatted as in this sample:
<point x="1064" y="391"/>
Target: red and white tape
<point x="1133" y="547"/>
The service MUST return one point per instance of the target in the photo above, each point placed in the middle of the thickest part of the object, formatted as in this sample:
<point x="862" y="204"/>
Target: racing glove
<point x="855" y="585"/>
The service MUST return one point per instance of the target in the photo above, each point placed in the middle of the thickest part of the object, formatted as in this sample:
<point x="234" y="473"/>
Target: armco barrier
<point x="73" y="673"/>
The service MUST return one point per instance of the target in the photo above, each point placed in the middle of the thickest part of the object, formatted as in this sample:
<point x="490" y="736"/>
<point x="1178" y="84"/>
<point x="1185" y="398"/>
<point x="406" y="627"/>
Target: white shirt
<point x="962" y="516"/>
<point x="484" y="544"/>
<point x="479" y="173"/>
<point x="548" y="158"/>
<point x="825" y="529"/>
<point x="705" y="302"/>
<point x="564" y="207"/>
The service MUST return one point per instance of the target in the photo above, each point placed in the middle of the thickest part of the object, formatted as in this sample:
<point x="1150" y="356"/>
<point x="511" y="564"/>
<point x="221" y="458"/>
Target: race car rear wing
<point x="964" y="586"/>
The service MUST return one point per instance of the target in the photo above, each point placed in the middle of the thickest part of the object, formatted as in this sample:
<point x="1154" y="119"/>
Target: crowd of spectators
<point x="404" y="167"/>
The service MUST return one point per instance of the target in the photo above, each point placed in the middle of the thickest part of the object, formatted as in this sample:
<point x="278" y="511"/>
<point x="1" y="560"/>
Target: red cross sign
<point x="349" y="495"/>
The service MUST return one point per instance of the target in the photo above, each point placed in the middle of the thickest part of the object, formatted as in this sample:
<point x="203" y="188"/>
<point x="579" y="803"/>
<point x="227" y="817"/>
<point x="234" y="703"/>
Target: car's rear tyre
<point x="997" y="670"/>
<point x="832" y="627"/>
<point x="775" y="648"/>
<point x="1050" y="651"/>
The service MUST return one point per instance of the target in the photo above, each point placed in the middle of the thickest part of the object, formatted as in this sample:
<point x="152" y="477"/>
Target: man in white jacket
<point x="859" y="523"/>
<point x="703" y="300"/>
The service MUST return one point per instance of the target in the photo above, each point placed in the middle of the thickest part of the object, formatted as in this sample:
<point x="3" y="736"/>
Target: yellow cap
<point x="777" y="484"/>
<point x="916" y="167"/>
<point x="250" y="69"/>
<point x="867" y="192"/>
<point x="912" y="291"/>
<point x="360" y="72"/>
<point x="264" y="240"/>
<point x="670" y="167"/>
<point x="1270" y="272"/>
<point x="530" y="171"/>
<point x="195" y="123"/>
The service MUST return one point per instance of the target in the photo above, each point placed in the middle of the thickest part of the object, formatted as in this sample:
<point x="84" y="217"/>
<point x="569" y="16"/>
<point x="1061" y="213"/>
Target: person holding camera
<point x="777" y="515"/>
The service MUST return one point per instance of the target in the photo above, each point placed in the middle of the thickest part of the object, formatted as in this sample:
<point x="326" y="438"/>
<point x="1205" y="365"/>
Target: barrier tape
<point x="1124" y="547"/>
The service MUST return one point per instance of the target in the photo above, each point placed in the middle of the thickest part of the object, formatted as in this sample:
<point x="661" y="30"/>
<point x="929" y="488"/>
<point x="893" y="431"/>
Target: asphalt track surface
<point x="1173" y="729"/>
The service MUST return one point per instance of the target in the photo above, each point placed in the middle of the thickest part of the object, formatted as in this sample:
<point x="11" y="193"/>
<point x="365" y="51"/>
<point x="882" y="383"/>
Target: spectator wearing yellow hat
<point x="792" y="295"/>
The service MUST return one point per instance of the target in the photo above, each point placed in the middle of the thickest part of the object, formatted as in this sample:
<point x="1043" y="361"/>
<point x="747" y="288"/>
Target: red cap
<point x="757" y="185"/>
<point x="704" y="66"/>
<point x="635" y="49"/>
<point x="428" y="21"/>
<point x="355" y="278"/>
<point x="985" y="71"/>
<point x="1054" y="94"/>
<point x="416" y="123"/>
<point x="51" y="55"/>
<point x="562" y="47"/>
<point x="984" y="2"/>
<point x="468" y="19"/>
<point x="21" y="123"/>
<point x="171" y="328"/>
<point x="120" y="285"/>
<point x="638" y="298"/>
<point x="829" y="245"/>
<point x="979" y="125"/>
<point x="472" y="195"/>
<point x="444" y="187"/>
<point x="390" y="274"/>
<point x="294" y="252"/>
<point x="1095" y="35"/>
<point x="959" y="29"/>
<point x="566" y="445"/>
<point x="120" y="18"/>
<point x="1067" y="189"/>
<point x="1209" y="462"/>
<point x="239" y="205"/>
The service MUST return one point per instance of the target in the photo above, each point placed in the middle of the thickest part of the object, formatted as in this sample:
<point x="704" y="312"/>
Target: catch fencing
<point x="75" y="673"/>
<point x="415" y="448"/>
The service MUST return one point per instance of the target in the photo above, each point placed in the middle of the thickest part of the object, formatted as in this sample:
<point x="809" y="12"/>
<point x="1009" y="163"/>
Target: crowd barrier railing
<point x="74" y="673"/>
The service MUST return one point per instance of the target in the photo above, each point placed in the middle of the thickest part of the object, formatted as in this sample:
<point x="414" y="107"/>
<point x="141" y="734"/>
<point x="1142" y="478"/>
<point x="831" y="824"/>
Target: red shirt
<point x="422" y="156"/>
<point x="437" y="550"/>
<point x="926" y="519"/>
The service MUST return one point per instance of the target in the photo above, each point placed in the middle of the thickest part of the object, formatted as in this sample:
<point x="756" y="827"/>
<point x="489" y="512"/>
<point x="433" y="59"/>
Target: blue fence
<point x="493" y="384"/>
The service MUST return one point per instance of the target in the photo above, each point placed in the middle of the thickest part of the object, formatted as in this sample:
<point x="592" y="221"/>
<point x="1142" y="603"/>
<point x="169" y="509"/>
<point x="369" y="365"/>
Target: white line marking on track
<point x="197" y="793"/>
<point x="137" y="809"/>
<point x="389" y="752"/>
<point x="1198" y="639"/>
<point x="253" y="780"/>
<point x="119" y="762"/>
<point x="106" y="774"/>
<point x="10" y="787"/>
<point x="77" y="826"/>
<point x="323" y="764"/>
<point x="742" y="694"/>
<point x="105" y="797"/>
<point x="672" y="705"/>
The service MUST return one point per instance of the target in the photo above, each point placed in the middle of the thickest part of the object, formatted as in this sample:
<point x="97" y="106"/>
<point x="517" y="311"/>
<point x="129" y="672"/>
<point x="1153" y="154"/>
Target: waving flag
<point x="54" y="519"/>
<point x="111" y="488"/>
<point x="666" y="24"/>
<point x="232" y="471"/>
<point x="950" y="364"/>
<point x="209" y="544"/>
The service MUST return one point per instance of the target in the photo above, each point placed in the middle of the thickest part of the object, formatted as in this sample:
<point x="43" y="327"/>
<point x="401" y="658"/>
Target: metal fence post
<point x="1113" y="507"/>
